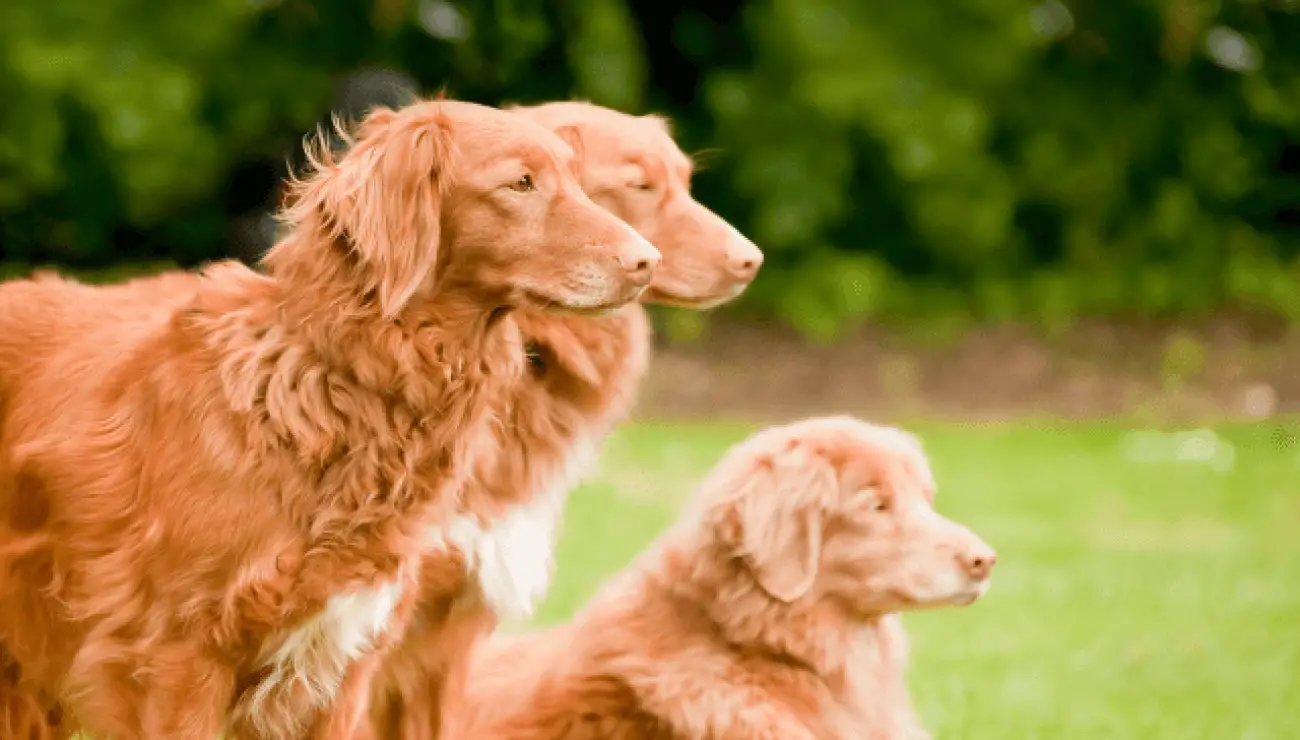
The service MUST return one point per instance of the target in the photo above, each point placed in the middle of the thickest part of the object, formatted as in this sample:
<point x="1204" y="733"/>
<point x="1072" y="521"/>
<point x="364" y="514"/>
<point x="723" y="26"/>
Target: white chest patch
<point x="513" y="557"/>
<point x="311" y="662"/>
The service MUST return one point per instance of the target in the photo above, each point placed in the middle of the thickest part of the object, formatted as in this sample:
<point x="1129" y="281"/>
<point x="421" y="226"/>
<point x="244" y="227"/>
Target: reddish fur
<point x="540" y="429"/>
<point x="582" y="383"/>
<point x="184" y="481"/>
<point x="767" y="612"/>
<point x="631" y="166"/>
<point x="592" y="369"/>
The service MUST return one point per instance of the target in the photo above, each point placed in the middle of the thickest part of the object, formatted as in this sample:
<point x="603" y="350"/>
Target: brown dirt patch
<point x="1222" y="368"/>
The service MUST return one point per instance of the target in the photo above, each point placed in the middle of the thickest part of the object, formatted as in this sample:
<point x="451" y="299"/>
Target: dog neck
<point x="381" y="415"/>
<point x="856" y="663"/>
<point x="808" y="634"/>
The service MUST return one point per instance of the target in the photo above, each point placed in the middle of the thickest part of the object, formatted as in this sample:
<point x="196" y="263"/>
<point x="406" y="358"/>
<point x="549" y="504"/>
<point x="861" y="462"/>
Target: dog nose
<point x="743" y="259"/>
<point x="744" y="269"/>
<point x="978" y="562"/>
<point x="639" y="263"/>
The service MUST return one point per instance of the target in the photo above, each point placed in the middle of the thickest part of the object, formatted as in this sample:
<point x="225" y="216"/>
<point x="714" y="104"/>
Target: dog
<point x="631" y="166"/>
<point x="770" y="610"/>
<point x="581" y="380"/>
<point x="214" y="517"/>
<point x="583" y="374"/>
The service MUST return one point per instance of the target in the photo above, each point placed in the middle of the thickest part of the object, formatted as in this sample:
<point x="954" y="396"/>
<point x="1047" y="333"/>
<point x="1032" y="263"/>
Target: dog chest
<point x="511" y="557"/>
<point x="312" y="660"/>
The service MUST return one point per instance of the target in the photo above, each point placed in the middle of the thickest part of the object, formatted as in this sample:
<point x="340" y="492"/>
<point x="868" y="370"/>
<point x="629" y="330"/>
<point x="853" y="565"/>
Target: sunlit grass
<point x="1133" y="599"/>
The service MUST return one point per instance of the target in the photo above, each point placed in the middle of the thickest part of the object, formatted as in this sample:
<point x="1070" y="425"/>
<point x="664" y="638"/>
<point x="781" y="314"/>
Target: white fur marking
<point x="338" y="635"/>
<point x="516" y="556"/>
<point x="513" y="559"/>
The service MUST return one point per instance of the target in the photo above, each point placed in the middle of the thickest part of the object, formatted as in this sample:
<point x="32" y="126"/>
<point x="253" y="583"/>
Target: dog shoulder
<point x="694" y="686"/>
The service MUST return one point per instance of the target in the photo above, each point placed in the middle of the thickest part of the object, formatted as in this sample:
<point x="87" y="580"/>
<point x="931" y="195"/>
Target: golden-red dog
<point x="770" y="611"/>
<point x="583" y="376"/>
<point x="631" y="166"/>
<point x="214" y="518"/>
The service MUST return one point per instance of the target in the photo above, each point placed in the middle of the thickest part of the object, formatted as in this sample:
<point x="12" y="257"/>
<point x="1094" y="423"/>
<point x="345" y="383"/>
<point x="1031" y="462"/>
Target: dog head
<point x="446" y="194"/>
<point x="632" y="167"/>
<point x="836" y="510"/>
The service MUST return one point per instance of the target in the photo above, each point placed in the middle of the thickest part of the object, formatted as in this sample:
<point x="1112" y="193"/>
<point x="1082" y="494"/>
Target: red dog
<point x="769" y="612"/>
<point x="215" y="518"/>
<point x="583" y="377"/>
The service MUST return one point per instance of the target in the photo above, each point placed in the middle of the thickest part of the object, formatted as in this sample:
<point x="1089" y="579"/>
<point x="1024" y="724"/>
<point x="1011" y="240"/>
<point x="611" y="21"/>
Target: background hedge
<point x="979" y="159"/>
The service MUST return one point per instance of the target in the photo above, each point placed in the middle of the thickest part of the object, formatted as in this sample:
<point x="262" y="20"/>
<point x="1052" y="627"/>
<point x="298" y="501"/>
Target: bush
<point x="974" y="158"/>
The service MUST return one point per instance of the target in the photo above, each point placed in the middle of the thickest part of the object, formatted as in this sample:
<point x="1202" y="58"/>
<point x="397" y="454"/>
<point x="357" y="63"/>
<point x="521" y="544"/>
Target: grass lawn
<point x="1148" y="599"/>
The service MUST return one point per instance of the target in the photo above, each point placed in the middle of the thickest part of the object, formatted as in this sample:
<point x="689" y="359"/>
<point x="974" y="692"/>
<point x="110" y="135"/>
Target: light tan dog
<point x="582" y="380"/>
<point x="215" y="517"/>
<point x="769" y="611"/>
<point x="631" y="166"/>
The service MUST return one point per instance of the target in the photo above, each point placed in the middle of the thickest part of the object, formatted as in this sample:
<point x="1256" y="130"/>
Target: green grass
<point x="1144" y="600"/>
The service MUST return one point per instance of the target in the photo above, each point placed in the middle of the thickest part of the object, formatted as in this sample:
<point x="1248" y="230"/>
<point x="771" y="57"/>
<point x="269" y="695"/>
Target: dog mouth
<point x="699" y="302"/>
<point x="965" y="599"/>
<point x="547" y="304"/>
<point x="965" y="595"/>
<point x="971" y="594"/>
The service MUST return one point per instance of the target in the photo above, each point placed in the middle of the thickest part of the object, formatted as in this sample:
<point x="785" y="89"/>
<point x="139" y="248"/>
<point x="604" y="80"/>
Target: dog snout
<point x="978" y="561"/>
<point x="743" y="269"/>
<point x="639" y="260"/>
<point x="743" y="259"/>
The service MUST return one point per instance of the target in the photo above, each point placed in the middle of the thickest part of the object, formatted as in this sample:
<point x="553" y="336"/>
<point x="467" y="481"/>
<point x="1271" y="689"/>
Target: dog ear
<point x="576" y="360"/>
<point x="554" y="343"/>
<point x="385" y="198"/>
<point x="397" y="227"/>
<point x="781" y="521"/>
<point x="572" y="135"/>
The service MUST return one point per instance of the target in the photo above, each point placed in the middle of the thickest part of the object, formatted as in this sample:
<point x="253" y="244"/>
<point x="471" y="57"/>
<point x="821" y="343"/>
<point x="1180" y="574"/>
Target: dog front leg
<point x="343" y="718"/>
<point x="186" y="699"/>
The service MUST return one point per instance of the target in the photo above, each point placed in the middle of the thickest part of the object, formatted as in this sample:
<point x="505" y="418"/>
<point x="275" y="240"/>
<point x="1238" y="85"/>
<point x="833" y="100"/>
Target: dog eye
<point x="872" y="500"/>
<point x="643" y="185"/>
<point x="535" y="355"/>
<point x="524" y="184"/>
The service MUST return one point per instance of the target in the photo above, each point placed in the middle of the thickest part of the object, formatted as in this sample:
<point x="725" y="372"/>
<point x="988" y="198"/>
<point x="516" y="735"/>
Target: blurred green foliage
<point x="979" y="160"/>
